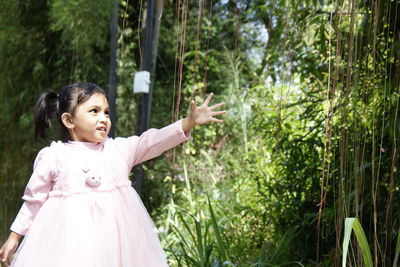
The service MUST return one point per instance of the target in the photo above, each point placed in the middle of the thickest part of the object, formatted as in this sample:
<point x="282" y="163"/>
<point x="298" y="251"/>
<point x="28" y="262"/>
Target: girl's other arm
<point x="35" y="194"/>
<point x="36" y="191"/>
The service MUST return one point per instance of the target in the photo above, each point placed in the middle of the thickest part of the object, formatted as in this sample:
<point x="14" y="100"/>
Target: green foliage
<point x="397" y="250"/>
<point x="354" y="224"/>
<point x="200" y="249"/>
<point x="83" y="24"/>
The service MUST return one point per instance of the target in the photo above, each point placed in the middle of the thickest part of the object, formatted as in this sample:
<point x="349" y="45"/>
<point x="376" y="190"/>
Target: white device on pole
<point x="141" y="82"/>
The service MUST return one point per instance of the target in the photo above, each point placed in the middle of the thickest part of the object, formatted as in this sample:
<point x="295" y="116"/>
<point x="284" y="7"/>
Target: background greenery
<point x="311" y="136"/>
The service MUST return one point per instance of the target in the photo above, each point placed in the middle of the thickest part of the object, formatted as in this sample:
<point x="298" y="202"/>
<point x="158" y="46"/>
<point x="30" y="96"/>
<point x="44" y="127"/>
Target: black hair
<point x="51" y="105"/>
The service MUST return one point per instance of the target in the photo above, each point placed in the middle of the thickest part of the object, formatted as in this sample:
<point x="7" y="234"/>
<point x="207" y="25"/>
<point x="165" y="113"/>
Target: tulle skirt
<point x="97" y="229"/>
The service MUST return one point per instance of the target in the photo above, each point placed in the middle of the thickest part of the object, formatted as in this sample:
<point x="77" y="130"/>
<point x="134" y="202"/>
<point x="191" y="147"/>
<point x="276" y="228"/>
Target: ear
<point x="67" y="120"/>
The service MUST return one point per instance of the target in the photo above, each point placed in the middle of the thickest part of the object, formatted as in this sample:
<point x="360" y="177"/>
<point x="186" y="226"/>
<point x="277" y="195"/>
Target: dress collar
<point x="90" y="145"/>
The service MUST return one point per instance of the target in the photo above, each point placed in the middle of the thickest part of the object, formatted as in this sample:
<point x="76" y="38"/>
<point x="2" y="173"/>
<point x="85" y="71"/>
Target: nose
<point x="104" y="117"/>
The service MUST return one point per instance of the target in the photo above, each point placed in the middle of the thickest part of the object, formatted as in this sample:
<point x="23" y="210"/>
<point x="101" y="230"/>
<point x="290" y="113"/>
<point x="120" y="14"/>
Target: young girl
<point x="80" y="208"/>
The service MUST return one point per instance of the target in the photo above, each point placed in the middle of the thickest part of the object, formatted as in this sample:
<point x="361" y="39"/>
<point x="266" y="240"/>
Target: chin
<point x="101" y="139"/>
<point x="97" y="139"/>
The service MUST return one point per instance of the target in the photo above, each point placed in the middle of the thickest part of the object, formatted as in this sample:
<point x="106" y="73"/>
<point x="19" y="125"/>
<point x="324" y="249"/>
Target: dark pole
<point x="144" y="106"/>
<point x="112" y="78"/>
<point x="148" y="54"/>
<point x="154" y="46"/>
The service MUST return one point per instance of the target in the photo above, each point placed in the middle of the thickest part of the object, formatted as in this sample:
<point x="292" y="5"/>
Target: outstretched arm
<point x="153" y="142"/>
<point x="202" y="114"/>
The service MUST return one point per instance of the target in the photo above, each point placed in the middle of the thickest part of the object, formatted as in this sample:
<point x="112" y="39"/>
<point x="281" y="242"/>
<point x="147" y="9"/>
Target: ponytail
<point x="46" y="109"/>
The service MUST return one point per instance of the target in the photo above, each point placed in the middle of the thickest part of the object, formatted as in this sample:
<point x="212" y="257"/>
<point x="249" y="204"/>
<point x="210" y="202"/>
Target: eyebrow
<point x="98" y="107"/>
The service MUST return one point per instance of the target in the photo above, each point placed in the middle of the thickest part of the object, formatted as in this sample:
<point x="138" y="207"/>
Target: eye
<point x="93" y="110"/>
<point x="107" y="112"/>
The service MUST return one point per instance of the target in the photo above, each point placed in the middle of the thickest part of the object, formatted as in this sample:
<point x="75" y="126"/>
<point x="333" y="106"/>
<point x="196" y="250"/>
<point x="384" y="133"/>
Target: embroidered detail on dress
<point x="93" y="181"/>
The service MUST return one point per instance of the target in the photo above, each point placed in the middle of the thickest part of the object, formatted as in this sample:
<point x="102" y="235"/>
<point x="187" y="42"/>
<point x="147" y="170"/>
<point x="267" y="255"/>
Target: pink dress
<point x="81" y="210"/>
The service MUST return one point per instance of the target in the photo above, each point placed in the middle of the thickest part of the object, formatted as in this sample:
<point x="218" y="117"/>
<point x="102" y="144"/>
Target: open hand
<point x="202" y="114"/>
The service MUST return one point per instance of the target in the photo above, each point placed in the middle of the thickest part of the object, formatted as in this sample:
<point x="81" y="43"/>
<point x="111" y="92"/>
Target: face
<point x="91" y="120"/>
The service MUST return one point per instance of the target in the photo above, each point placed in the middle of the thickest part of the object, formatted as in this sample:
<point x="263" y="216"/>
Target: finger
<point x="217" y="105"/>
<point x="9" y="258"/>
<point x="217" y="113"/>
<point x="5" y="256"/>
<point x="208" y="99"/>
<point x="193" y="105"/>
<point x="217" y="120"/>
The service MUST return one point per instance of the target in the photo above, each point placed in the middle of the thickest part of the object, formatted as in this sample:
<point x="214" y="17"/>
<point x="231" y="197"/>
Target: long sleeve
<point x="151" y="143"/>
<point x="36" y="191"/>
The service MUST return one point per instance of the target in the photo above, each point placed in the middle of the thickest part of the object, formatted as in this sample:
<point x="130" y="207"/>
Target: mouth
<point x="101" y="129"/>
